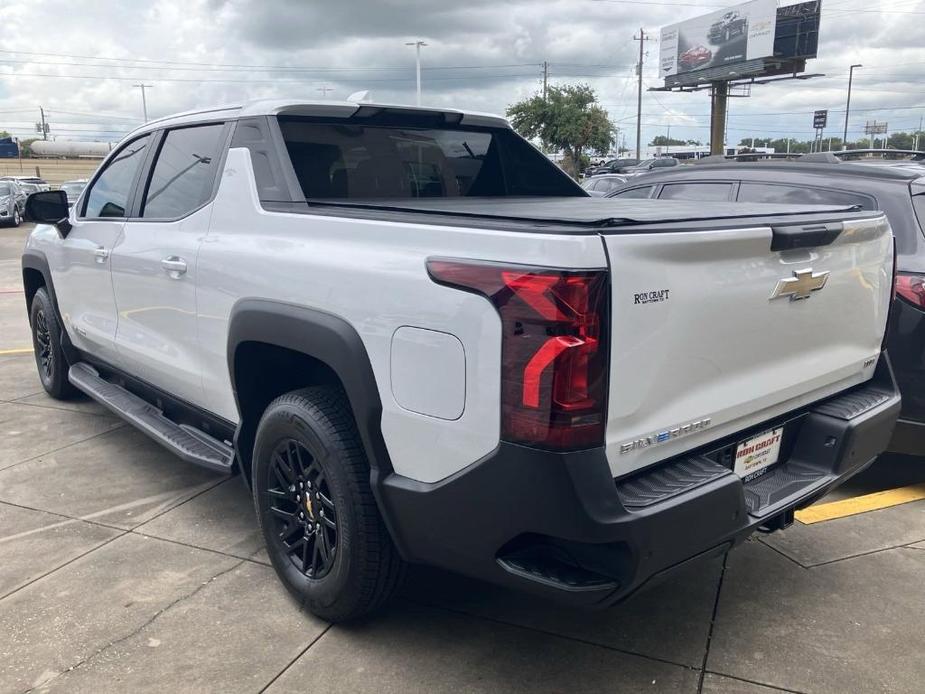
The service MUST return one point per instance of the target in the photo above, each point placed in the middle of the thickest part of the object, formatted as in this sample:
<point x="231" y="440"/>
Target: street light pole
<point x="844" y="142"/>
<point x="144" y="101"/>
<point x="417" y="54"/>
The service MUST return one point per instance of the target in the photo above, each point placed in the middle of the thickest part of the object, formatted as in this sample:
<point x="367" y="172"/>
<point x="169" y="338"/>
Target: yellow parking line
<point x="20" y="350"/>
<point x="861" y="504"/>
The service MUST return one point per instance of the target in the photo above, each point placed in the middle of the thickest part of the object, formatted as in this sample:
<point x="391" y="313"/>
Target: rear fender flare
<point x="36" y="261"/>
<point x="323" y="336"/>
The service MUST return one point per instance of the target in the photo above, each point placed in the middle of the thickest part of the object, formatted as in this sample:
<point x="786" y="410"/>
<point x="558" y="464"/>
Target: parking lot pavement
<point x="124" y="569"/>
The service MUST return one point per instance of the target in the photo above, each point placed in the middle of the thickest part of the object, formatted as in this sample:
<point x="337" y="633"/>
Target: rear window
<point x="182" y="178"/>
<point x="349" y="160"/>
<point x="802" y="195"/>
<point x="696" y="191"/>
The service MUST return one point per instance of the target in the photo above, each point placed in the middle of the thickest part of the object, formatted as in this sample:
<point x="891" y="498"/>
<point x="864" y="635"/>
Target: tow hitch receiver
<point x="778" y="522"/>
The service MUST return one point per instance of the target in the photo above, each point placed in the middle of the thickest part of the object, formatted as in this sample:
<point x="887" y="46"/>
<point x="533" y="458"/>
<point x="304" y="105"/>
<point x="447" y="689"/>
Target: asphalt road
<point x="124" y="569"/>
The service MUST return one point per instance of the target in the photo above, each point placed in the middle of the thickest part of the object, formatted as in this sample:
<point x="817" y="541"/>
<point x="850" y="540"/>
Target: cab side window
<point x="799" y="195"/>
<point x="108" y="196"/>
<point x="184" y="173"/>
<point x="696" y="191"/>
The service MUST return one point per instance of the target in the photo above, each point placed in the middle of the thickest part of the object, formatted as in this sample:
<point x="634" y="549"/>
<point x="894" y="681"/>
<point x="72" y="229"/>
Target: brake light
<point x="553" y="348"/>
<point x="912" y="289"/>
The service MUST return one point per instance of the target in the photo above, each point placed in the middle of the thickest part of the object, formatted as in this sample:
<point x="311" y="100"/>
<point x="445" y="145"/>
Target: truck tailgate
<point x="714" y="332"/>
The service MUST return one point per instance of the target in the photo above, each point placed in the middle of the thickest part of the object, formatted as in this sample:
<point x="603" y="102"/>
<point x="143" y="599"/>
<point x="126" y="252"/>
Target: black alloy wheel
<point x="44" y="354"/>
<point x="50" y="360"/>
<point x="302" y="506"/>
<point x="311" y="482"/>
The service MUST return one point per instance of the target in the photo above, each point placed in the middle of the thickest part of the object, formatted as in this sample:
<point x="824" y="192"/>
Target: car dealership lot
<point x="122" y="568"/>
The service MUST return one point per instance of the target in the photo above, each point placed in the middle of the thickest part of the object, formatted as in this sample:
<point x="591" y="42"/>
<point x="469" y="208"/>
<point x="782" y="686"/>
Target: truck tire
<point x="320" y="522"/>
<point x="46" y="344"/>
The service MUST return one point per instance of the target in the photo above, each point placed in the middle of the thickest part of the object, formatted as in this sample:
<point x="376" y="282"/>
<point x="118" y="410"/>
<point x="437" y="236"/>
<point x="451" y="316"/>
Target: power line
<point x="235" y="67"/>
<point x="192" y="80"/>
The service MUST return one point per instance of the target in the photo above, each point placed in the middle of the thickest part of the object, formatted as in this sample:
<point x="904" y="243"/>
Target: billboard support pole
<point x="718" y="118"/>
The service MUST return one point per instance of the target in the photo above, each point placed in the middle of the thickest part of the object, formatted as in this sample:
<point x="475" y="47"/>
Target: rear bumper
<point x="908" y="438"/>
<point x="560" y="525"/>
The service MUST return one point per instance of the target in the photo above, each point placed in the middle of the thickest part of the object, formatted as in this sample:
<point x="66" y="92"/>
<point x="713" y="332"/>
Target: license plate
<point x="757" y="454"/>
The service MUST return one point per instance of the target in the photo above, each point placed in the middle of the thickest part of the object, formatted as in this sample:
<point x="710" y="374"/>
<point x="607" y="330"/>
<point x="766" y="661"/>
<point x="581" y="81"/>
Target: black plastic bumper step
<point x="854" y="403"/>
<point x="190" y="444"/>
<point x="668" y="480"/>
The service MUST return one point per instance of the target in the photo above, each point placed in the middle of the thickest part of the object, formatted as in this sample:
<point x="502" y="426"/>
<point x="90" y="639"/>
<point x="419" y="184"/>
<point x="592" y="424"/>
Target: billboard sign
<point x="820" y="119"/>
<point x="797" y="34"/>
<point x="719" y="39"/>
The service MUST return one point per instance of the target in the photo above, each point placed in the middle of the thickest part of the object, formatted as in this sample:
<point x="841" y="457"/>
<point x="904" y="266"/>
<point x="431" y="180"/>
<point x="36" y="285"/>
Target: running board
<point x="190" y="444"/>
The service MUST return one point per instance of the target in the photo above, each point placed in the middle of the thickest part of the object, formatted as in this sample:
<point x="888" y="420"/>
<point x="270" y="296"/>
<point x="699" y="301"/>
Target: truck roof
<point x="329" y="109"/>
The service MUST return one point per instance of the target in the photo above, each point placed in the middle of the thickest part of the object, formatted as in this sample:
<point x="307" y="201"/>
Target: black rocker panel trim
<point x="326" y="338"/>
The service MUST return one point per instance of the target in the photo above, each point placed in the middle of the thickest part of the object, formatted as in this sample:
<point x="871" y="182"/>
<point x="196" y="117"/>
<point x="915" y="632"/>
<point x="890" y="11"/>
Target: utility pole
<point x="545" y="77"/>
<point x="324" y="89"/>
<point x="44" y="125"/>
<point x="642" y="38"/>
<point x="417" y="54"/>
<point x="918" y="134"/>
<point x="844" y="142"/>
<point x="718" y="118"/>
<point x="144" y="101"/>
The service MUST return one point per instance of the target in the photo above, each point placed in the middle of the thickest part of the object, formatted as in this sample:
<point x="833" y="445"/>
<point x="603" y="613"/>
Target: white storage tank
<point x="70" y="148"/>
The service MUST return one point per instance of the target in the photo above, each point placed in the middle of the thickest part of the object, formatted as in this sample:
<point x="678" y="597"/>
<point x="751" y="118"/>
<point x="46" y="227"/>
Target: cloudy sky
<point x="79" y="59"/>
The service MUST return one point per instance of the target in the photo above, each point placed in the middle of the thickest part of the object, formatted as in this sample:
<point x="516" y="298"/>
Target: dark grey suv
<point x="896" y="187"/>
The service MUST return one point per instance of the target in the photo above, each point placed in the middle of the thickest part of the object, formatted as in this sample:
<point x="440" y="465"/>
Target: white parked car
<point x="419" y="341"/>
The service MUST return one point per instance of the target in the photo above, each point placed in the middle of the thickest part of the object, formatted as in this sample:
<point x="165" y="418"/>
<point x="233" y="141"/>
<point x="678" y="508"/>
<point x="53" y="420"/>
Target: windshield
<point x="349" y="160"/>
<point x="5" y="189"/>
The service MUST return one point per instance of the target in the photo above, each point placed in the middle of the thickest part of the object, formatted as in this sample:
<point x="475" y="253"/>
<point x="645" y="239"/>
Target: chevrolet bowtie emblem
<point x="800" y="286"/>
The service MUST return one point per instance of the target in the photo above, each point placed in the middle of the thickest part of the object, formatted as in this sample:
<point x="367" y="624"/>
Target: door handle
<point x="174" y="266"/>
<point x="100" y="254"/>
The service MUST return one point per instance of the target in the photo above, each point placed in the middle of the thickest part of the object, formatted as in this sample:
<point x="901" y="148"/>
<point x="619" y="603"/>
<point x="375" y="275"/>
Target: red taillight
<point x="553" y="348"/>
<point x="912" y="289"/>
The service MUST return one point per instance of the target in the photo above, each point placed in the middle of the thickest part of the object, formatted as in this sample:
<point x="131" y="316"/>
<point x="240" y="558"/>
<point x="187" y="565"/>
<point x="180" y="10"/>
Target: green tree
<point x="664" y="141"/>
<point x="25" y="146"/>
<point x="905" y="140"/>
<point x="568" y="119"/>
<point x="3" y="133"/>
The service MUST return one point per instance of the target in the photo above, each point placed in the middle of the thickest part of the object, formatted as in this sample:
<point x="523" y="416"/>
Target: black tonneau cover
<point x="580" y="214"/>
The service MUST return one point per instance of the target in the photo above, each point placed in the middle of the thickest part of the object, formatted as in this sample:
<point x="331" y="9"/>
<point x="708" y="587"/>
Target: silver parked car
<point x="12" y="203"/>
<point x="599" y="186"/>
<point x="73" y="190"/>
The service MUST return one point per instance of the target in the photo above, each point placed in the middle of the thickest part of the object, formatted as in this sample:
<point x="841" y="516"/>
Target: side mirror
<point x="49" y="207"/>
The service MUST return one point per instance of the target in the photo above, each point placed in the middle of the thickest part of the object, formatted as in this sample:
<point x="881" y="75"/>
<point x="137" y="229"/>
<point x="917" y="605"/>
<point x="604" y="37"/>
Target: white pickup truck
<point x="419" y="341"/>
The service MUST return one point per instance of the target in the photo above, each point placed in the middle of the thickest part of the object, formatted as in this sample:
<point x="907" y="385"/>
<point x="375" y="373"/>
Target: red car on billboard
<point x="695" y="57"/>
